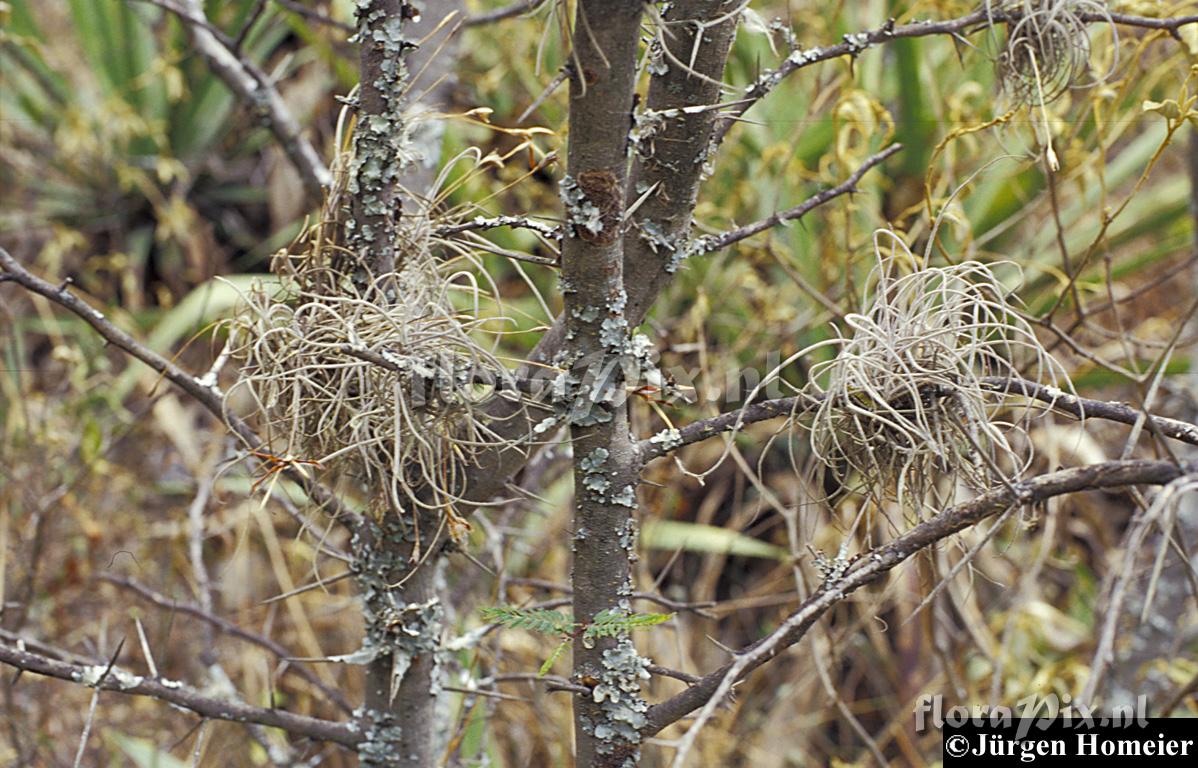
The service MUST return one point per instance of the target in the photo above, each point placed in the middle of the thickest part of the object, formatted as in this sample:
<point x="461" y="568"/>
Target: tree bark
<point x="673" y="154"/>
<point x="398" y="584"/>
<point x="396" y="553"/>
<point x="606" y="38"/>
<point x="380" y="153"/>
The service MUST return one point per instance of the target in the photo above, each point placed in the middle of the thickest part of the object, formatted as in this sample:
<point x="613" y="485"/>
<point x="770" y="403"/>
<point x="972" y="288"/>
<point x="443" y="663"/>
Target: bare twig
<point x="500" y="14"/>
<point x="180" y="695"/>
<point x="686" y="677"/>
<point x="195" y="552"/>
<point x="319" y="584"/>
<point x="259" y="9"/>
<point x="208" y="395"/>
<point x="91" y="707"/>
<point x="166" y="603"/>
<point x="649" y="597"/>
<point x="255" y="88"/>
<point x="315" y="16"/>
<point x="714" y="686"/>
<point x="562" y="76"/>
<point x="723" y="240"/>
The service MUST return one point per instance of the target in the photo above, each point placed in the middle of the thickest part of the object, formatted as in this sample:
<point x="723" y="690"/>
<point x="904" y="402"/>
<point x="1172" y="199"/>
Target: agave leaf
<point x="144" y="754"/>
<point x="209" y="302"/>
<point x="695" y="537"/>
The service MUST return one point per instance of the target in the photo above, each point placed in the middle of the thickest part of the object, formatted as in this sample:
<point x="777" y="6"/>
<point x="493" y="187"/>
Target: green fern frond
<point x="614" y="624"/>
<point x="553" y="657"/>
<point x="532" y="619"/>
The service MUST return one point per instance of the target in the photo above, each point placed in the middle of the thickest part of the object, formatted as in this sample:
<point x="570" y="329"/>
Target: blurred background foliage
<point x="131" y="170"/>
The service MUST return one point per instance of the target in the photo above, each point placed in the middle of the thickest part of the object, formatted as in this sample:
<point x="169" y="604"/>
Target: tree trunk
<point x="397" y="576"/>
<point x="396" y="555"/>
<point x="606" y="38"/>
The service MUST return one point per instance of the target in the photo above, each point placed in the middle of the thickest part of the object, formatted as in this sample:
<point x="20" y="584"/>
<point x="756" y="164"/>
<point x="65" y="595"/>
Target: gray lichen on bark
<point x="677" y="130"/>
<point x="381" y="141"/>
<point x="396" y="561"/>
<point x="597" y="345"/>
<point x="404" y="623"/>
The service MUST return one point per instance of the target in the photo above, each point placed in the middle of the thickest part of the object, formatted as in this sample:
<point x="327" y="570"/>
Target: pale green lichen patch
<point x="592" y="465"/>
<point x="618" y="694"/>
<point x="668" y="439"/>
<point x="580" y="211"/>
<point x="94" y="675"/>
<point x="625" y="497"/>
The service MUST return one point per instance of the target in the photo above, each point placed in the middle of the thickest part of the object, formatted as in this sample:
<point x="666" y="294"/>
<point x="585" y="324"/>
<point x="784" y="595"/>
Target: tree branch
<point x="724" y="239"/>
<point x="479" y="223"/>
<point x="315" y="16"/>
<point x="673" y="142"/>
<point x="517" y="8"/>
<point x="254" y="87"/>
<point x="712" y="688"/>
<point x="180" y="695"/>
<point x="855" y="44"/>
<point x="162" y="601"/>
<point x="206" y="393"/>
<point x="666" y="442"/>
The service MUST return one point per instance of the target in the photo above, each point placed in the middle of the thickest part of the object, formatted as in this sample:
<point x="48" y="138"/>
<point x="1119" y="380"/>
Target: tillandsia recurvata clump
<point x="1047" y="46"/>
<point x="910" y="399"/>
<point x="376" y="378"/>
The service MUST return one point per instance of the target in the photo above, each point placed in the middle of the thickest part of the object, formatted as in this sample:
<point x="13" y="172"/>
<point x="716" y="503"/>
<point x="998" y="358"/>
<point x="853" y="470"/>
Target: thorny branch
<point x="672" y="142"/>
<point x="724" y="239"/>
<point x="224" y="625"/>
<point x="665" y="443"/>
<point x="315" y="16"/>
<point x="857" y="43"/>
<point x="500" y="14"/>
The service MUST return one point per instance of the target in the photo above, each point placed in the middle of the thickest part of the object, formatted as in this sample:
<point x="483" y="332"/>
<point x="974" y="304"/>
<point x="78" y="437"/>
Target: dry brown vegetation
<point x="830" y="370"/>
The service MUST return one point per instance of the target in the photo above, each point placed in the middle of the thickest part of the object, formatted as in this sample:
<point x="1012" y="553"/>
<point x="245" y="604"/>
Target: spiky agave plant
<point x="1047" y="46"/>
<point x="375" y="378"/>
<point x="904" y="403"/>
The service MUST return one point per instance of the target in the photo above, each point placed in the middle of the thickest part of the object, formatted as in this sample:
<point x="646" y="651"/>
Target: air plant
<point x="1047" y="48"/>
<point x="376" y="378"/>
<point x="903" y="403"/>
